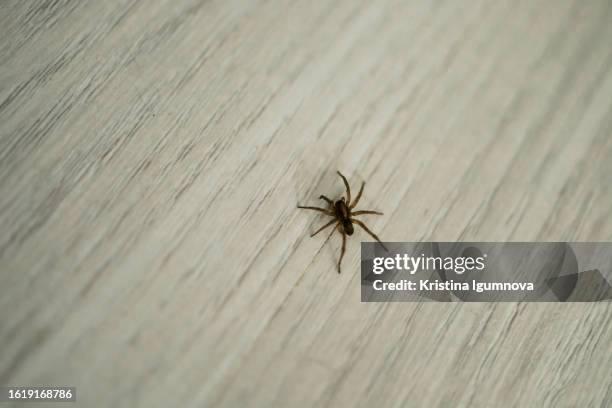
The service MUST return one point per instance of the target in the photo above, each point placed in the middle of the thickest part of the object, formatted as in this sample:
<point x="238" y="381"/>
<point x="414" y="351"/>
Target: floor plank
<point x="152" y="155"/>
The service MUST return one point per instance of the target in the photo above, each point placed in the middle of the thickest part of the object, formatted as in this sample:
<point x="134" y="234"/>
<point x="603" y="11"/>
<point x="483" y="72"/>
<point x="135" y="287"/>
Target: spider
<point x="342" y="211"/>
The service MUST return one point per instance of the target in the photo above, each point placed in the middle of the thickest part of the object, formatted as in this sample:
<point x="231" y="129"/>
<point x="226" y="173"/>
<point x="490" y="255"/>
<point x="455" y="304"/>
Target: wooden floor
<point x="152" y="154"/>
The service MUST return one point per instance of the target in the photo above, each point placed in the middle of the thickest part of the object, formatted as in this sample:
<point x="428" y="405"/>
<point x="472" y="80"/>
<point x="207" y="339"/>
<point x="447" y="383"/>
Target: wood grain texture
<point x="152" y="154"/>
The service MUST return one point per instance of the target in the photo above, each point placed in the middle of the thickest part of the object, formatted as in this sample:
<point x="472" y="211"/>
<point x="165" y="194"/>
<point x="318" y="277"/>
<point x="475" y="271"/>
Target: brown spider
<point x="342" y="211"/>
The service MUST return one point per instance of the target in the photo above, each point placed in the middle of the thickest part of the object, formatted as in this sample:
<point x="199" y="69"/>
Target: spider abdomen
<point x="348" y="227"/>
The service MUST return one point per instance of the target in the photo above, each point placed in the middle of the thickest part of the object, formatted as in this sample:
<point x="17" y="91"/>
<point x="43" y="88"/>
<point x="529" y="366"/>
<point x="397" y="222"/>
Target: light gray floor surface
<point x="152" y="154"/>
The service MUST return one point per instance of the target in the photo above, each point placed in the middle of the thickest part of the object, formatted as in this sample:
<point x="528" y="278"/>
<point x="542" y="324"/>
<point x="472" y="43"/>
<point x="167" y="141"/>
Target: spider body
<point x="343" y="216"/>
<point x="342" y="213"/>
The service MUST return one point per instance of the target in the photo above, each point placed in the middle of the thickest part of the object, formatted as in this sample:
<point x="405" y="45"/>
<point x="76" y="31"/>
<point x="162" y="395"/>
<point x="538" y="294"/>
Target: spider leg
<point x="342" y="250"/>
<point x="366" y="212"/>
<point x="330" y="233"/>
<point x="354" y="204"/>
<point x="330" y="202"/>
<point x="348" y="189"/>
<point x="362" y="225"/>
<point x="323" y="227"/>
<point x="323" y="210"/>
